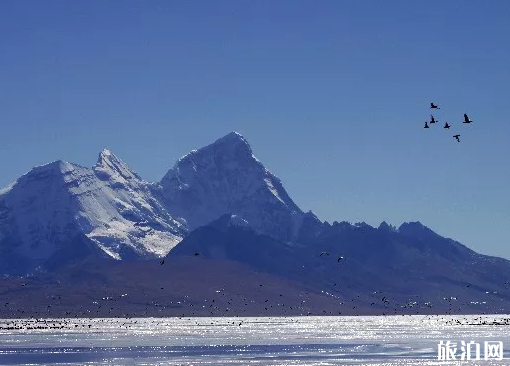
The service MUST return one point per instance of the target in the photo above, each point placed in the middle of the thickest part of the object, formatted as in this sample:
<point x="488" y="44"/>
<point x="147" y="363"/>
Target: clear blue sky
<point x="332" y="96"/>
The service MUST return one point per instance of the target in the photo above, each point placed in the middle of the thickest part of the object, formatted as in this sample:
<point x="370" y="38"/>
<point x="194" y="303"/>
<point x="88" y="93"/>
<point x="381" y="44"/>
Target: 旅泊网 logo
<point x="492" y="350"/>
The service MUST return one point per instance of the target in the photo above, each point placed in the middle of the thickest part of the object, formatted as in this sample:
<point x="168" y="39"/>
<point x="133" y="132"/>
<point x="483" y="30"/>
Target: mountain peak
<point x="109" y="165"/>
<point x="106" y="154"/>
<point x="232" y="138"/>
<point x="416" y="225"/>
<point x="56" y="165"/>
<point x="234" y="141"/>
<point x="225" y="177"/>
<point x="232" y="146"/>
<point x="55" y="170"/>
<point x="387" y="227"/>
<point x="415" y="229"/>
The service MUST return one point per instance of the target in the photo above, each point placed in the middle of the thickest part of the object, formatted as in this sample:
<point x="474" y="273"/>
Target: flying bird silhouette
<point x="457" y="137"/>
<point x="466" y="119"/>
<point x="432" y="119"/>
<point x="446" y="125"/>
<point x="433" y="106"/>
<point x="426" y="125"/>
<point x="324" y="253"/>
<point x="162" y="262"/>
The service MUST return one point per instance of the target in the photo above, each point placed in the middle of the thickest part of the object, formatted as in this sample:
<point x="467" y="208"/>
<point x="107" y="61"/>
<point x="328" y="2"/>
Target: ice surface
<point x="390" y="340"/>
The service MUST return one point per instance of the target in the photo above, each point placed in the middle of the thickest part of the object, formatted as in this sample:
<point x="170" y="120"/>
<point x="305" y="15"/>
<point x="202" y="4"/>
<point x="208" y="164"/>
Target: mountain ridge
<point x="219" y="215"/>
<point x="129" y="218"/>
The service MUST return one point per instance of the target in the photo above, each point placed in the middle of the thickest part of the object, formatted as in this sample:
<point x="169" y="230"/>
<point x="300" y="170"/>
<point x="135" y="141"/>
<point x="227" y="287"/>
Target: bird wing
<point x="466" y="118"/>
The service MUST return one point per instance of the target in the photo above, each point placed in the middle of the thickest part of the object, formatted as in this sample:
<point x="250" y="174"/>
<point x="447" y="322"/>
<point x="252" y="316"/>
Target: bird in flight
<point x="196" y="254"/>
<point x="426" y="125"/>
<point x="340" y="258"/>
<point x="433" y="106"/>
<point x="432" y="119"/>
<point x="466" y="119"/>
<point x="324" y="253"/>
<point x="162" y="262"/>
<point x="446" y="125"/>
<point x="457" y="137"/>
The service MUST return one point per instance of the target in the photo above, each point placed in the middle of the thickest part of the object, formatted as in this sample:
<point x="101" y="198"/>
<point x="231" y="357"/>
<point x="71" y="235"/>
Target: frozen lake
<point x="385" y="340"/>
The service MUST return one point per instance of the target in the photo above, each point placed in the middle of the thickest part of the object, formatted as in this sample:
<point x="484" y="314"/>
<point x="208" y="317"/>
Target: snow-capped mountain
<point x="47" y="208"/>
<point x="220" y="209"/>
<point x="112" y="211"/>
<point x="225" y="177"/>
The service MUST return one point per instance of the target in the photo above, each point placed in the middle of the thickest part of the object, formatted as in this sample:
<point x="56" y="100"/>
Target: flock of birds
<point x="161" y="324"/>
<point x="446" y="125"/>
<point x="225" y="303"/>
<point x="327" y="254"/>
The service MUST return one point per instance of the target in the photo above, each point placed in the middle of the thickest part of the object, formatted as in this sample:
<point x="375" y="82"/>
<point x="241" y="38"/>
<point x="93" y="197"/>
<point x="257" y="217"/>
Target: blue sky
<point x="332" y="96"/>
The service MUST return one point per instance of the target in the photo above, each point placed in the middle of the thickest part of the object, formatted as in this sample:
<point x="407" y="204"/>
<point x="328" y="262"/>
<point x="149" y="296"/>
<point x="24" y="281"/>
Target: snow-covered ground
<point x="390" y="340"/>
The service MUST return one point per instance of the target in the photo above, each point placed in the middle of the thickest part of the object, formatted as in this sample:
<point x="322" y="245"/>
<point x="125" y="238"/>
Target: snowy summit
<point x="225" y="177"/>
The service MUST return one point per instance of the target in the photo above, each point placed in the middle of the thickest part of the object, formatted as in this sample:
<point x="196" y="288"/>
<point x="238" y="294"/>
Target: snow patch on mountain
<point x="6" y="189"/>
<point x="237" y="220"/>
